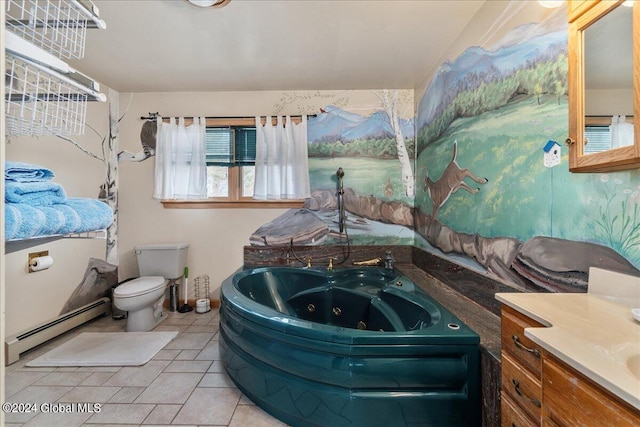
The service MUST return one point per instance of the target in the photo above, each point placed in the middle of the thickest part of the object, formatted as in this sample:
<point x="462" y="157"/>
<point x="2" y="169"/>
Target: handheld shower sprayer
<point x="341" y="214"/>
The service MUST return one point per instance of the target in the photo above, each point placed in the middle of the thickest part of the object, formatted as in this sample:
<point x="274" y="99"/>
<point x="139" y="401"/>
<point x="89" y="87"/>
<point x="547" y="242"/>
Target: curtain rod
<point x="153" y="116"/>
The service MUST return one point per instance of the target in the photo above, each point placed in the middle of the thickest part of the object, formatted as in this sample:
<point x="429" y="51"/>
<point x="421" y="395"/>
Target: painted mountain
<point x="336" y="124"/>
<point x="517" y="49"/>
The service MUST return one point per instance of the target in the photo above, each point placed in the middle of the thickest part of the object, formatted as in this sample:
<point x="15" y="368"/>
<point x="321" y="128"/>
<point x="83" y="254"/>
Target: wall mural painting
<point x="373" y="142"/>
<point x="525" y="219"/>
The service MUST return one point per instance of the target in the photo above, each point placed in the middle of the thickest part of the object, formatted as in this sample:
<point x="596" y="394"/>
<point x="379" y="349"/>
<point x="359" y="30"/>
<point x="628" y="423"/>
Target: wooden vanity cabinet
<point x="540" y="390"/>
<point x="521" y="389"/>
<point x="571" y="399"/>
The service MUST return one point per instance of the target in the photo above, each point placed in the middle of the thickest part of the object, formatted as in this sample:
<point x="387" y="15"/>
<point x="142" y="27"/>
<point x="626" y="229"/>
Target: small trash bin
<point x="116" y="313"/>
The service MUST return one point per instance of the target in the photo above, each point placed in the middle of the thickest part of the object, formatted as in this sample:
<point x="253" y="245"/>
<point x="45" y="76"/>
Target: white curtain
<point x="181" y="170"/>
<point x="282" y="162"/>
<point x="621" y="132"/>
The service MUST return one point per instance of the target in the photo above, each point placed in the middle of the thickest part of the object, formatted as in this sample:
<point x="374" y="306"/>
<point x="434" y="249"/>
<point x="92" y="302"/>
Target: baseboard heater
<point x="26" y="340"/>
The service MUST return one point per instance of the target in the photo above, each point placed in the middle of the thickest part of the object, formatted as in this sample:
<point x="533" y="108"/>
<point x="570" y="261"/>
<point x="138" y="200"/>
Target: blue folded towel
<point x="54" y="220"/>
<point x="94" y="214"/>
<point x="38" y="193"/>
<point x="26" y="172"/>
<point x="22" y="221"/>
<point x="72" y="220"/>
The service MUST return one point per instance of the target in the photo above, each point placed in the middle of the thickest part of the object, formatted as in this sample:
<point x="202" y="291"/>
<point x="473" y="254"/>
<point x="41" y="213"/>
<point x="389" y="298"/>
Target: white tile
<point x="190" y="341"/>
<point x="97" y="378"/>
<point x="90" y="394"/>
<point x="66" y="419"/>
<point x="217" y="366"/>
<point x="186" y="354"/>
<point x="201" y="328"/>
<point x="209" y="406"/>
<point x="251" y="415"/>
<point x="167" y="354"/>
<point x="137" y="376"/>
<point x="170" y="388"/>
<point x="179" y="321"/>
<point x="162" y="414"/>
<point x="126" y="395"/>
<point x="35" y="395"/>
<point x="188" y="366"/>
<point x="63" y="378"/>
<point x="210" y="352"/>
<point x="216" y="380"/>
<point x="118" y="413"/>
<point x="99" y="369"/>
<point x="15" y="381"/>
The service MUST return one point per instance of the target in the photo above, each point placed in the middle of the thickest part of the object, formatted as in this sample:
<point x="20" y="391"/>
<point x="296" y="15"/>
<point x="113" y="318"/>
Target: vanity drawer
<point x="511" y="415"/>
<point x="524" y="389"/>
<point x="570" y="399"/>
<point x="523" y="350"/>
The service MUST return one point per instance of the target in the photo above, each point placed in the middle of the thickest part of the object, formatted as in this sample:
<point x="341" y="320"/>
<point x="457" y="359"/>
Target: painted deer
<point x="450" y="182"/>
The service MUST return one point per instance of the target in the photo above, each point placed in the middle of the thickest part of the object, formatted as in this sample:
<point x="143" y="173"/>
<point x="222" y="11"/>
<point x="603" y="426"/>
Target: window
<point x="230" y="155"/>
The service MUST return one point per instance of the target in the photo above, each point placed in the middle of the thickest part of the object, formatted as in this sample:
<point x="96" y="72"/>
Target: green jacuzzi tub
<point x="347" y="347"/>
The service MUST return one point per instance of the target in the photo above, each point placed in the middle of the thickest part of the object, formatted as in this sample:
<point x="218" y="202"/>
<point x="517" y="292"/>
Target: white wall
<point x="32" y="298"/>
<point x="216" y="236"/>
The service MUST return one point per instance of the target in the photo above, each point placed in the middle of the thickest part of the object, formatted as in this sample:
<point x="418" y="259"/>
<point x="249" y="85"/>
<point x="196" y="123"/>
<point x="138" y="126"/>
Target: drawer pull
<point x="521" y="346"/>
<point x="516" y="386"/>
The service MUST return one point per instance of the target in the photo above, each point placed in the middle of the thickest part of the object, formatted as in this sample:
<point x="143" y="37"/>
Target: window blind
<point x="230" y="146"/>
<point x="598" y="137"/>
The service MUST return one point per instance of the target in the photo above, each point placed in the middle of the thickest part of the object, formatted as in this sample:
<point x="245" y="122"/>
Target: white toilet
<point x="144" y="297"/>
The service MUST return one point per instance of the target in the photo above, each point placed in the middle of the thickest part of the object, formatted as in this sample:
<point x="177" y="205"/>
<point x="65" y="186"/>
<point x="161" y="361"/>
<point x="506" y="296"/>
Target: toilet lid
<point x="139" y="286"/>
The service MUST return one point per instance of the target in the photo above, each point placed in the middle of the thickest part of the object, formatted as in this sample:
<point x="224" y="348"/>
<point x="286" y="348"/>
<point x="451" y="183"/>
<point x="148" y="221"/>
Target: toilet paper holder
<point x="39" y="261"/>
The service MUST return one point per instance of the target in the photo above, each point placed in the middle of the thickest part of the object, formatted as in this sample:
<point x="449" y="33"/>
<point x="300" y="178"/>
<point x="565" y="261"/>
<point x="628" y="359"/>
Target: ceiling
<point x="251" y="45"/>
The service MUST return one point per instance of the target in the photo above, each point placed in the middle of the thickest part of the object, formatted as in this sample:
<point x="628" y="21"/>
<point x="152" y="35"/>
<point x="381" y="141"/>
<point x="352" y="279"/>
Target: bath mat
<point x="106" y="349"/>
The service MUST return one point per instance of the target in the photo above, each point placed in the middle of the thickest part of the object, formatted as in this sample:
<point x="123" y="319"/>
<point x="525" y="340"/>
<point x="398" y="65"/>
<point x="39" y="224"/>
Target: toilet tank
<point x="166" y="260"/>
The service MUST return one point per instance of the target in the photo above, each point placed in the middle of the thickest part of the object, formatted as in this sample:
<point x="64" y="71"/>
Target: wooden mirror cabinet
<point x="594" y="84"/>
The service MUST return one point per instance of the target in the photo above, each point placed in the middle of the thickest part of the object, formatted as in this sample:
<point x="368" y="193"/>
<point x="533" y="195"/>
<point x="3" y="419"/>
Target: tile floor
<point x="184" y="384"/>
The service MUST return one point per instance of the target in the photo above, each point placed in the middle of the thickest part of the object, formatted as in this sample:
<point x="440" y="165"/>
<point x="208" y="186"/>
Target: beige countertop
<point x="596" y="337"/>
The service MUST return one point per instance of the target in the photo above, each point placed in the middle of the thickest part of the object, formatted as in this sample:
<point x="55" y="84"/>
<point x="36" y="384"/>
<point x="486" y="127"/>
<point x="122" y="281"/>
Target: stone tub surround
<point x="281" y="255"/>
<point x="484" y="323"/>
<point x="476" y="286"/>
<point x="466" y="293"/>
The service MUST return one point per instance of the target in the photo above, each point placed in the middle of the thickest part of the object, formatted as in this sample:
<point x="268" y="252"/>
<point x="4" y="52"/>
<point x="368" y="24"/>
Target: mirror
<point x="603" y="97"/>
<point x="608" y="82"/>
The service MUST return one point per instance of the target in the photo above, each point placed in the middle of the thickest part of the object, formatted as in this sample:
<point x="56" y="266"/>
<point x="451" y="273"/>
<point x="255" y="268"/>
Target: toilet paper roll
<point x="201" y="306"/>
<point x="41" y="263"/>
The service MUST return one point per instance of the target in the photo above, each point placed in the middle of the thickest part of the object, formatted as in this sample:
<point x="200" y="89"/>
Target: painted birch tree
<point x="389" y="99"/>
<point x="109" y="157"/>
<point x="111" y="181"/>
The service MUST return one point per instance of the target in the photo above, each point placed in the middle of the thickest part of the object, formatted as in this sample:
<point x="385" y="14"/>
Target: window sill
<point x="228" y="204"/>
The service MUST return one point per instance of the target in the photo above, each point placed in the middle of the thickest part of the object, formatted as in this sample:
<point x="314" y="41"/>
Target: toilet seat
<point x="139" y="286"/>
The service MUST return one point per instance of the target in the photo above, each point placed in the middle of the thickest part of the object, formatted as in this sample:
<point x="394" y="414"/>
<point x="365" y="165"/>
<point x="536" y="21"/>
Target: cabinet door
<point x="598" y="27"/>
<point x="523" y="350"/>
<point x="511" y="415"/>
<point x="571" y="399"/>
<point x="524" y="389"/>
<point x="578" y="7"/>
